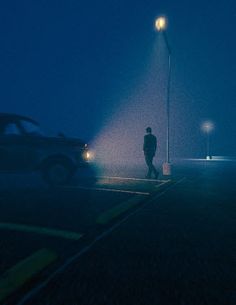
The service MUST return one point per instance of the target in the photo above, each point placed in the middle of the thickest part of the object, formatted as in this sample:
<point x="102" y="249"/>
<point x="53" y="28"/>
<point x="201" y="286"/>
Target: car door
<point x="32" y="141"/>
<point x="12" y="156"/>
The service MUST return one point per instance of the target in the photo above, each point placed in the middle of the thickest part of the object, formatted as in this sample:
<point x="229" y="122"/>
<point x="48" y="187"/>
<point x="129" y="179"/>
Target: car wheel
<point x="57" y="173"/>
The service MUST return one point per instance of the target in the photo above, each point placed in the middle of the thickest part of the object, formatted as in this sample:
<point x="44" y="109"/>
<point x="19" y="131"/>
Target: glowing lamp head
<point x="160" y="24"/>
<point x="207" y="126"/>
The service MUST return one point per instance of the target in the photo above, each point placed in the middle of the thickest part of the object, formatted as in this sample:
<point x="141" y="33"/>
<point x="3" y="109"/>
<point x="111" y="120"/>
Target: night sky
<point x="94" y="68"/>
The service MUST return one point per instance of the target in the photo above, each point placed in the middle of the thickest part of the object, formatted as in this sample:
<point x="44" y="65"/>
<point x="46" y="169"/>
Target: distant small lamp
<point x="208" y="127"/>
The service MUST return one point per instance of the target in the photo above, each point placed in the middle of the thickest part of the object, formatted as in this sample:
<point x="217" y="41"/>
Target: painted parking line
<point x="119" y="209"/>
<point x="132" y="179"/>
<point x="150" y="182"/>
<point x="107" y="180"/>
<point x="163" y="182"/>
<point x="23" y="271"/>
<point x="106" y="190"/>
<point x="40" y="230"/>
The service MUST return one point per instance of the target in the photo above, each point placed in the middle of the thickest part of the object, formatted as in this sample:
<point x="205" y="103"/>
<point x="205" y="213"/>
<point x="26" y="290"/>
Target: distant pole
<point x="161" y="26"/>
<point x="208" y="127"/>
<point x="208" y="145"/>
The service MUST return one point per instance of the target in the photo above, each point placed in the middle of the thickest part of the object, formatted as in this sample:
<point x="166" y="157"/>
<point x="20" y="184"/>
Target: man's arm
<point x="144" y="143"/>
<point x="155" y="143"/>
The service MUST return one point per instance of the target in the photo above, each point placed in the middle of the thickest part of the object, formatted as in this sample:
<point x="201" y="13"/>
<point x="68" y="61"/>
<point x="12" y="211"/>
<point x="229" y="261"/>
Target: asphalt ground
<point x="124" y="241"/>
<point x="41" y="228"/>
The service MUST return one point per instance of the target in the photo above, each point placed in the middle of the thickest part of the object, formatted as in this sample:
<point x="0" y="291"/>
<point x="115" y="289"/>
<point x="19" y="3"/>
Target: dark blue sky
<point x="69" y="64"/>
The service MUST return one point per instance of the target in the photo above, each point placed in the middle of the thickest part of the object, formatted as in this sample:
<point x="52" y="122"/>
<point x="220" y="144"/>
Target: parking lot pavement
<point x="179" y="249"/>
<point x="41" y="227"/>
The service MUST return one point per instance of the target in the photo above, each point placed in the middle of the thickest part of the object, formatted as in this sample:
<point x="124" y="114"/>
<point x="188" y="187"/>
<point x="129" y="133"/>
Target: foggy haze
<point x="98" y="71"/>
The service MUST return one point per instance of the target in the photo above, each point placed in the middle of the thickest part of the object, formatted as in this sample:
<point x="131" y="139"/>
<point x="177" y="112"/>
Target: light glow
<point x="207" y="126"/>
<point x="160" y="23"/>
<point x="89" y="155"/>
<point x="119" y="143"/>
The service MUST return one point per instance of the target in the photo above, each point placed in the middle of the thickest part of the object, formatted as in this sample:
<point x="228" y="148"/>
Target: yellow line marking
<point x="40" y="230"/>
<point x="23" y="271"/>
<point x="112" y="213"/>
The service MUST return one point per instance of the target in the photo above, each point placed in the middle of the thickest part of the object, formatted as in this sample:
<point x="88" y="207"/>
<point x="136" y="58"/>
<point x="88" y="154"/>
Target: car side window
<point x="30" y="128"/>
<point x="11" y="129"/>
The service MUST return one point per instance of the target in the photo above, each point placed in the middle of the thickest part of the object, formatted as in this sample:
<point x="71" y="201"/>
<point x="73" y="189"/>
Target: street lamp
<point x="208" y="127"/>
<point x="160" y="25"/>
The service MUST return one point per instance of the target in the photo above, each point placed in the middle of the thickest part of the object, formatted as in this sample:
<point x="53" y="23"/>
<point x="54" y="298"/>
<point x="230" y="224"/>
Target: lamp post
<point x="208" y="127"/>
<point x="160" y="25"/>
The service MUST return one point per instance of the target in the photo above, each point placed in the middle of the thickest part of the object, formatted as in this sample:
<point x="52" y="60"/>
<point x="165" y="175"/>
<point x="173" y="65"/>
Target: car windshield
<point x="9" y="128"/>
<point x="31" y="128"/>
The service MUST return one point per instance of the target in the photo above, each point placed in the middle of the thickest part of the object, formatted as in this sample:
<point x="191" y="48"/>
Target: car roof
<point x="12" y="116"/>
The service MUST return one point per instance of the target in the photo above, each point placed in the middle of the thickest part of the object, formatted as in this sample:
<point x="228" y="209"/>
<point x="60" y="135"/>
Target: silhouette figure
<point x="149" y="148"/>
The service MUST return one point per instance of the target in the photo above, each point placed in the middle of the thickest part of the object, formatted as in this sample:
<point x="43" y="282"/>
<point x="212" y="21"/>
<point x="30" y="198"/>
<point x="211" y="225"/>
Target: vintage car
<point x="23" y="147"/>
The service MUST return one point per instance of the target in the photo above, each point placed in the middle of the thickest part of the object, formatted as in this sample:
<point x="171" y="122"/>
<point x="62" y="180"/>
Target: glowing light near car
<point x="88" y="155"/>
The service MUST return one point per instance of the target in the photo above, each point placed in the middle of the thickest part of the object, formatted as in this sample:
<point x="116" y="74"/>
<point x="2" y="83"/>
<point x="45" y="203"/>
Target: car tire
<point x="58" y="173"/>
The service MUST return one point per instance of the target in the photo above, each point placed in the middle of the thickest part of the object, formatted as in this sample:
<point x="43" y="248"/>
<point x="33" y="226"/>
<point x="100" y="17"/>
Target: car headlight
<point x="88" y="155"/>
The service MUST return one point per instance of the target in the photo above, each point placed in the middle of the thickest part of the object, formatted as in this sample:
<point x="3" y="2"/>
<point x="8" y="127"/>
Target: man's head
<point x="149" y="130"/>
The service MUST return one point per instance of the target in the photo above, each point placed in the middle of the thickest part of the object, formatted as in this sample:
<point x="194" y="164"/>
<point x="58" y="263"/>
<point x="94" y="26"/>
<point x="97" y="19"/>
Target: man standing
<point x="149" y="148"/>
